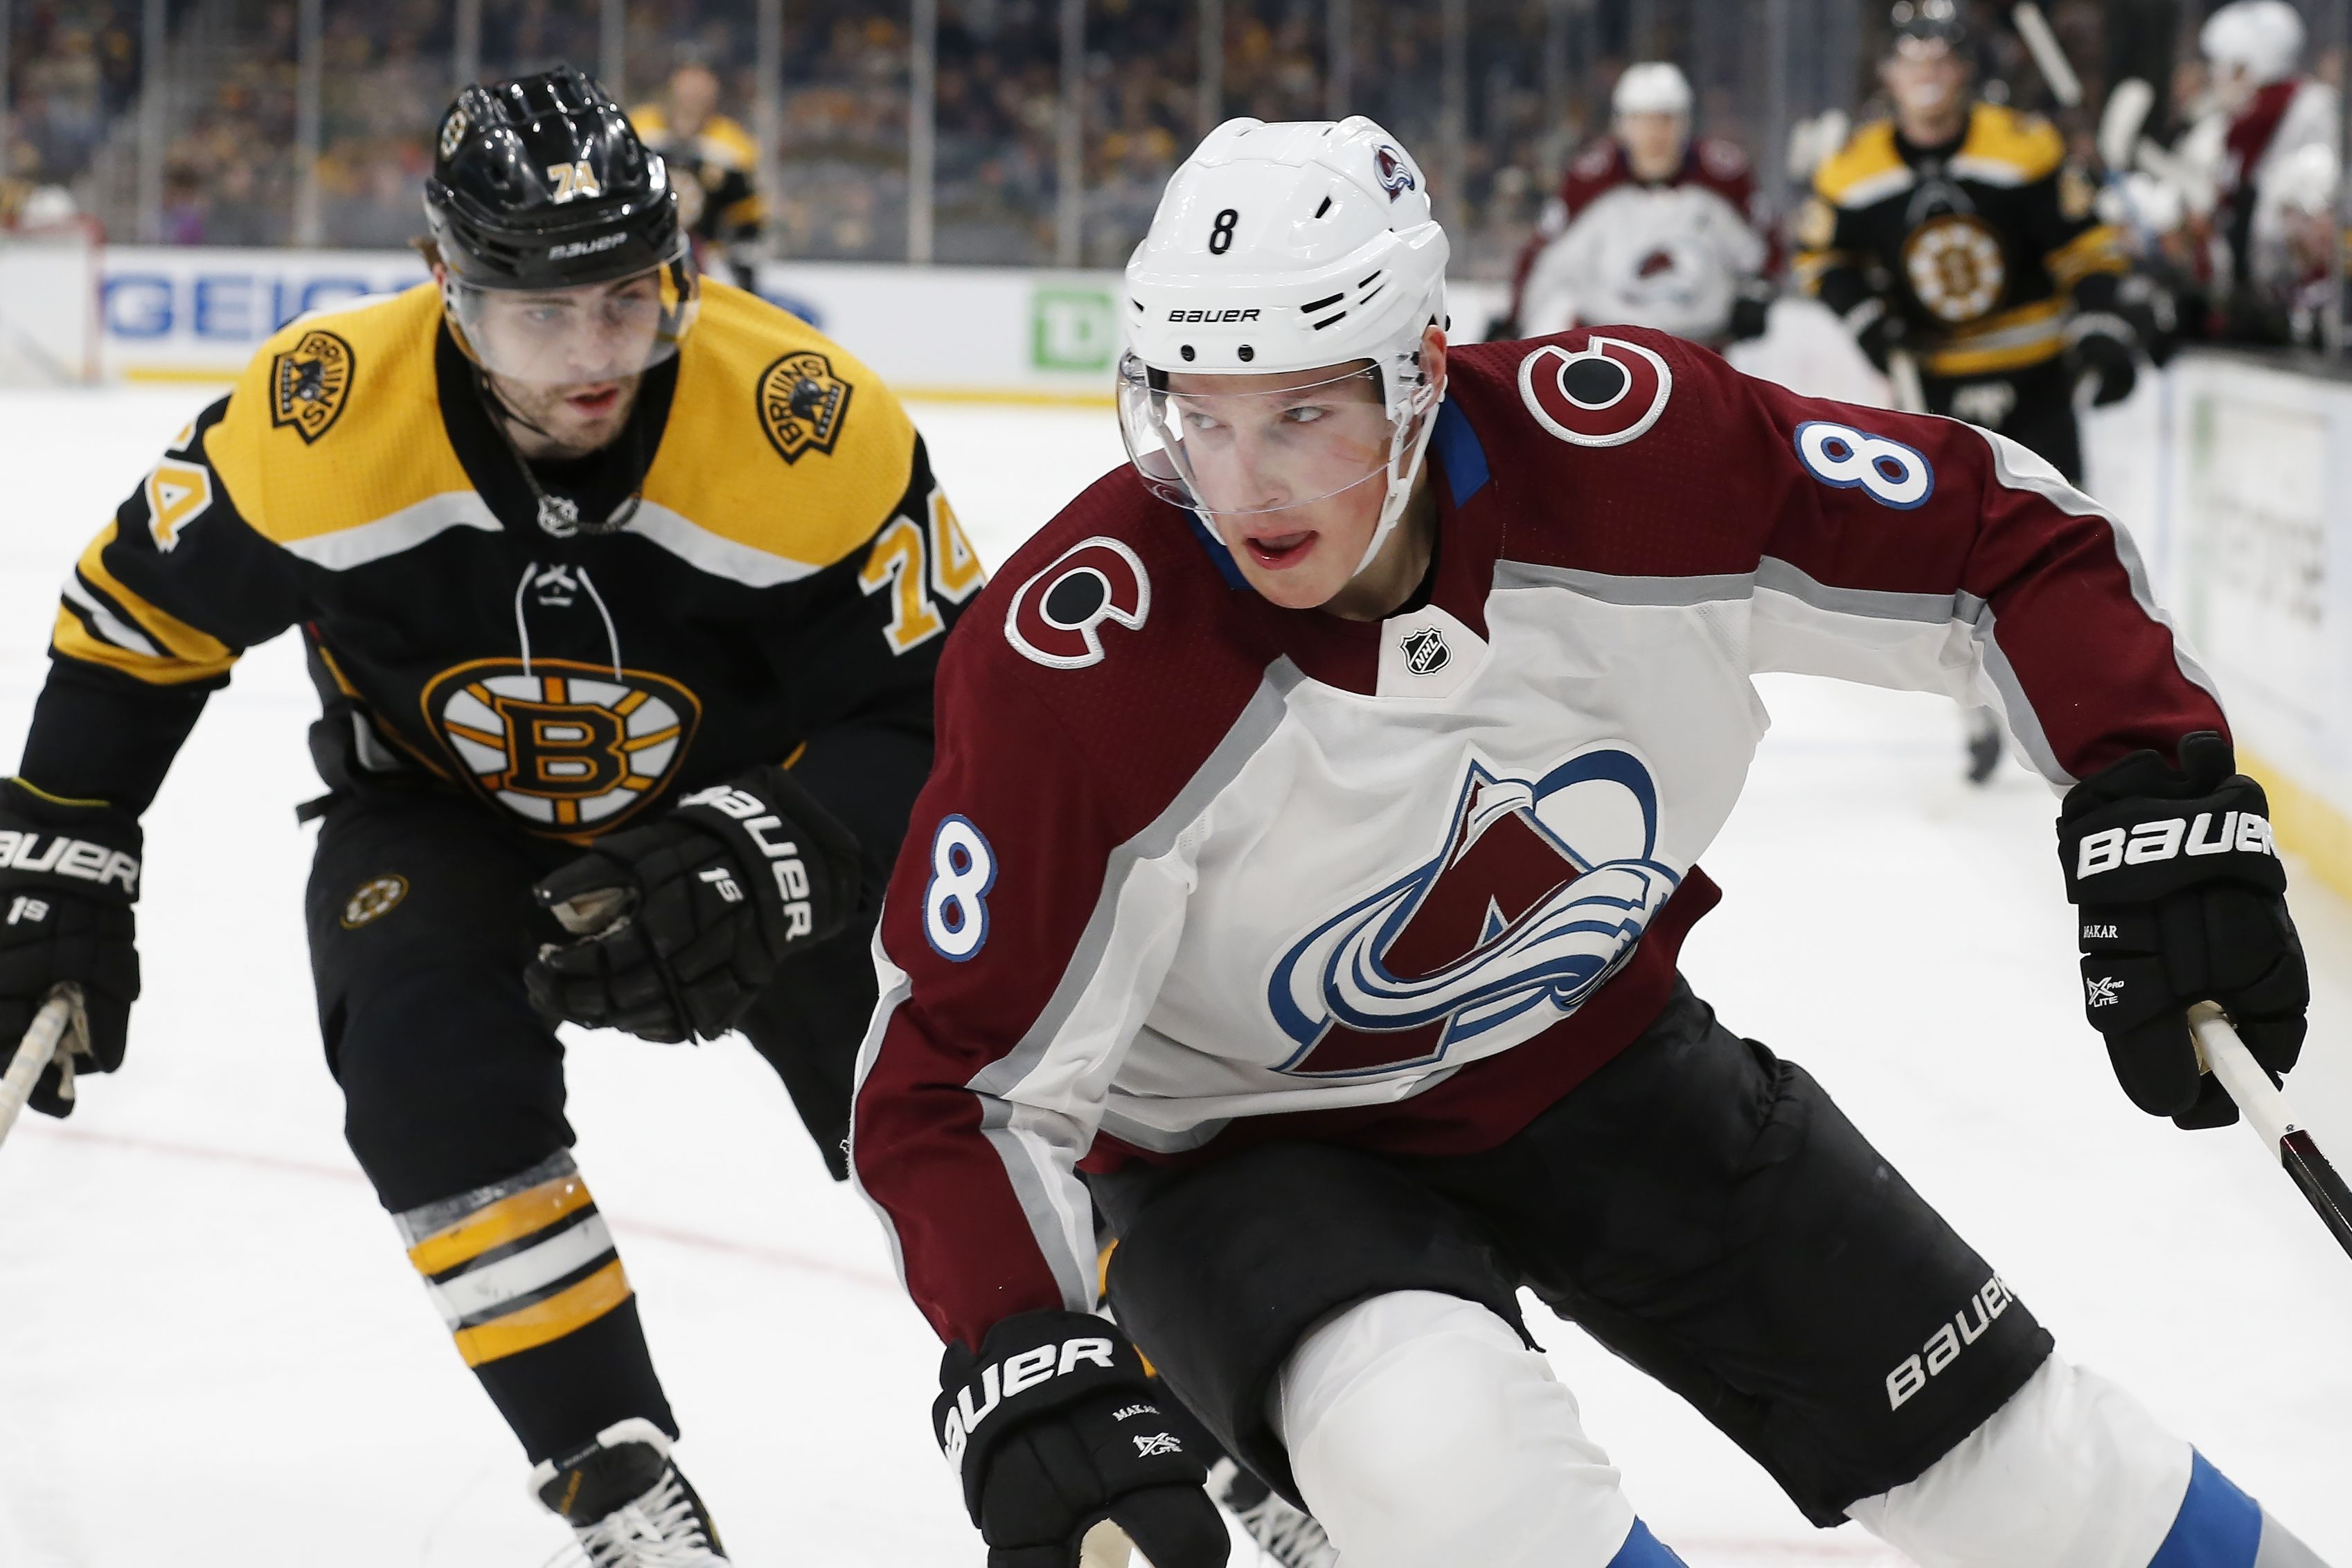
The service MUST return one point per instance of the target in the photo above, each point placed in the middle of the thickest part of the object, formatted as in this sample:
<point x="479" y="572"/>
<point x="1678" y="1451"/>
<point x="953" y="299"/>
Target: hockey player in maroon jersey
<point x="1652" y="227"/>
<point x="1314" y="827"/>
<point x="2266" y="115"/>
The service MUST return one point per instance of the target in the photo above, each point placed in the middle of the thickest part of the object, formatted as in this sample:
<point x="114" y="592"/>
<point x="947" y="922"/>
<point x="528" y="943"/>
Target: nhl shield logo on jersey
<point x="1057" y="616"/>
<point x="1604" y="394"/>
<point x="309" y="383"/>
<point x="802" y="405"/>
<point x="1535" y="895"/>
<point x="1425" y="652"/>
<point x="567" y="746"/>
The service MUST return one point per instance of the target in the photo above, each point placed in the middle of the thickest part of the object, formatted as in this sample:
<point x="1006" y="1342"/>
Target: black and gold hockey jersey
<point x="712" y="170"/>
<point x="1981" y="246"/>
<point x="779" y="593"/>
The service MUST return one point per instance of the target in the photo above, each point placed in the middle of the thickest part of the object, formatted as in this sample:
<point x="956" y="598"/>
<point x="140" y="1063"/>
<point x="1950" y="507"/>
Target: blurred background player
<point x="1652" y="227"/>
<point x="714" y="164"/>
<point x="1959" y="243"/>
<point x="2260" y="167"/>
<point x="622" y="592"/>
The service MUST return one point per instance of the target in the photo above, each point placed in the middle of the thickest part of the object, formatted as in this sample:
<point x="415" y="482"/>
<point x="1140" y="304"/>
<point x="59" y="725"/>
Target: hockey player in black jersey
<point x="623" y="592"/>
<point x="1958" y="239"/>
<point x="1961" y="233"/>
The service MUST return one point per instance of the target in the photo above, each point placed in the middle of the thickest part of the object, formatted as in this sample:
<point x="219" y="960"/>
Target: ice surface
<point x="218" y="1357"/>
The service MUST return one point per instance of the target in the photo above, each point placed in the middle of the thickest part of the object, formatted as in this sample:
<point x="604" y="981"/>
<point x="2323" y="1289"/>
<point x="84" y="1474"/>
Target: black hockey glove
<point x="2182" y="898"/>
<point x="68" y="876"/>
<point x="684" y="921"/>
<point x="1053" y="1426"/>
<point x="2103" y="352"/>
<point x="1877" y="330"/>
<point x="1751" y="313"/>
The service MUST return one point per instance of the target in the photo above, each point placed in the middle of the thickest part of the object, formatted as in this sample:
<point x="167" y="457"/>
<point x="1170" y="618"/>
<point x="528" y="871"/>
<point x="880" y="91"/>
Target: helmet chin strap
<point x="1410" y="443"/>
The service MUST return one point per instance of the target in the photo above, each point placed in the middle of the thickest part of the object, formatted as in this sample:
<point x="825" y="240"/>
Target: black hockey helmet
<point x="541" y="183"/>
<point x="541" y="186"/>
<point x="1923" y="21"/>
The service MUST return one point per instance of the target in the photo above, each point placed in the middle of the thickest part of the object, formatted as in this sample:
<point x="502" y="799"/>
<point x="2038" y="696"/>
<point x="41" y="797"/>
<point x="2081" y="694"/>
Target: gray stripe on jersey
<point x="1613" y="590"/>
<point x="1051" y="1200"/>
<point x="2280" y="1549"/>
<point x="1256" y="725"/>
<point x="896" y="987"/>
<point x="1927" y="609"/>
<point x="2020" y="469"/>
<point x="1963" y="609"/>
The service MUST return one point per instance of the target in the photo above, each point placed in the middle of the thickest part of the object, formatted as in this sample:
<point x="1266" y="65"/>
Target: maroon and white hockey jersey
<point x="1192" y="870"/>
<point x="1612" y="249"/>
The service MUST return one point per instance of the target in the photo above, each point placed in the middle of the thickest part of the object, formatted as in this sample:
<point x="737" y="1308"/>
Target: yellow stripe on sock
<point x="509" y="1219"/>
<point x="543" y="1321"/>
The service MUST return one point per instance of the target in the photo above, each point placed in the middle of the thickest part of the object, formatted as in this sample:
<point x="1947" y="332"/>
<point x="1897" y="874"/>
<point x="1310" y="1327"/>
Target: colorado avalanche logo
<point x="1537" y="894"/>
<point x="1057" y="616"/>
<point x="1396" y="177"/>
<point x="1604" y="394"/>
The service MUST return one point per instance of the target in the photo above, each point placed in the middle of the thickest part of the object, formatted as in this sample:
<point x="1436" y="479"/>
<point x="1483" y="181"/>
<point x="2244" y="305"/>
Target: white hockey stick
<point x="33" y="1054"/>
<point x="1902" y="382"/>
<point x="2049" y="56"/>
<point x="1106" y="1546"/>
<point x="2266" y="1110"/>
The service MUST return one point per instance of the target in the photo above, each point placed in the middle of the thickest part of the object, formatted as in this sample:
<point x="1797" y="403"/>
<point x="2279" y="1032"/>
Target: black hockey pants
<point x="420" y="921"/>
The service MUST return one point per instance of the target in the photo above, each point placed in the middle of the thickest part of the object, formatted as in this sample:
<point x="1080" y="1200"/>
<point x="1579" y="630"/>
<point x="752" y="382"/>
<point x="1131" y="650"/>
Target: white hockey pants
<point x="1424" y="1434"/>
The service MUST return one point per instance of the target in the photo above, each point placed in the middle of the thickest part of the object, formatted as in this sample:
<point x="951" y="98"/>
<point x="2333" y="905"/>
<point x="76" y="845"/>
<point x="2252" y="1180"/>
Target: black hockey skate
<point x="1284" y="1534"/>
<point x="1984" y="744"/>
<point x="627" y="1503"/>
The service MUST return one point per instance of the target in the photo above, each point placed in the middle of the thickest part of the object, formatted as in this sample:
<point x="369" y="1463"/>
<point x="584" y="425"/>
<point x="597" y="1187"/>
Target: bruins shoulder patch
<point x="372" y="899"/>
<point x="802" y="405"/>
<point x="309" y="383"/>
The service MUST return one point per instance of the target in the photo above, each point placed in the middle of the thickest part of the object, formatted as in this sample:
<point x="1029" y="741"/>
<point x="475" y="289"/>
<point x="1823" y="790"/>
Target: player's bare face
<point x="569" y="361"/>
<point x="1929" y="85"/>
<point x="1654" y="143"/>
<point x="693" y="97"/>
<point x="1289" y="468"/>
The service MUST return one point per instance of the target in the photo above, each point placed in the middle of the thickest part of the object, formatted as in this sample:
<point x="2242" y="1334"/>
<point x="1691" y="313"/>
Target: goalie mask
<point x="1288" y="276"/>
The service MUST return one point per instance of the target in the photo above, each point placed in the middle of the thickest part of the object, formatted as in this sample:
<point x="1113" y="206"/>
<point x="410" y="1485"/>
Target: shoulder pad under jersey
<point x="1865" y="171"/>
<point x="336" y="423"/>
<point x="2005" y="147"/>
<point x="783" y="453"/>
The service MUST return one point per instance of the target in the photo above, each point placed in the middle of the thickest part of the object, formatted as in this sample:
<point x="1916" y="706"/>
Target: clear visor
<point x="1236" y="445"/>
<point x="586" y="334"/>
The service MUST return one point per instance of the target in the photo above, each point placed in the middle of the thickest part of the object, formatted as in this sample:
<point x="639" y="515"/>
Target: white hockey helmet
<point x="1653" y="87"/>
<point x="2264" y="39"/>
<point x="1287" y="247"/>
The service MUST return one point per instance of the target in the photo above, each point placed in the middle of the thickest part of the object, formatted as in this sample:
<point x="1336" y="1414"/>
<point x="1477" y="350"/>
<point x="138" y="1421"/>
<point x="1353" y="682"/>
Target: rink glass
<point x="587" y="333"/>
<point x="1231" y="446"/>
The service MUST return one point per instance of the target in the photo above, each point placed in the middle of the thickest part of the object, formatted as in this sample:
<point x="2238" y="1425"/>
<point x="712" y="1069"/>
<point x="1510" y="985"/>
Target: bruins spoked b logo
<point x="1955" y="266"/>
<point x="564" y="745"/>
<point x="308" y="384"/>
<point x="802" y="405"/>
<point x="372" y="899"/>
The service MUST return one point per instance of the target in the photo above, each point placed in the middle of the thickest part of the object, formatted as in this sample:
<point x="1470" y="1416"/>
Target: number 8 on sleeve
<point x="955" y="911"/>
